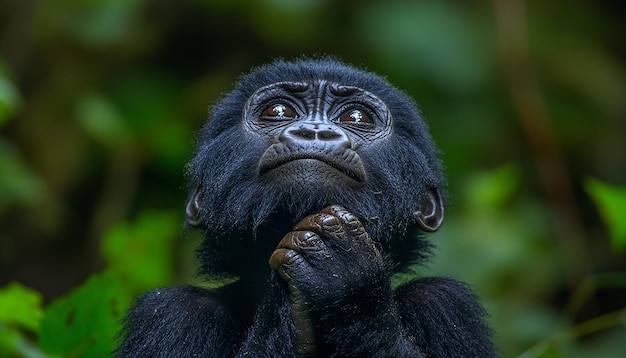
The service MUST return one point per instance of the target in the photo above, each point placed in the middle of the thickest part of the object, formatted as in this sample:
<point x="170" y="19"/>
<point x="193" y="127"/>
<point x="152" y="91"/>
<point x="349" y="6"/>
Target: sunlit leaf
<point x="493" y="188"/>
<point x="141" y="252"/>
<point x="611" y="203"/>
<point x="14" y="343"/>
<point x="8" y="340"/>
<point x="21" y="306"/>
<point x="84" y="323"/>
<point x="553" y="353"/>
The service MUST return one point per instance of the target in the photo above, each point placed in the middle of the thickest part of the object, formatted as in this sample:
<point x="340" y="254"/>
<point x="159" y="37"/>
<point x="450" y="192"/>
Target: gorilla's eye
<point x="279" y="110"/>
<point x="355" y="116"/>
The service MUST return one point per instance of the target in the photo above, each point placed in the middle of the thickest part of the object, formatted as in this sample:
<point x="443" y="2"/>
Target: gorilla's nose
<point x="305" y="132"/>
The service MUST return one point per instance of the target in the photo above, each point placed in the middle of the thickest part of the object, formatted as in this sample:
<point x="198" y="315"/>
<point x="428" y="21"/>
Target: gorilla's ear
<point x="430" y="213"/>
<point x="192" y="211"/>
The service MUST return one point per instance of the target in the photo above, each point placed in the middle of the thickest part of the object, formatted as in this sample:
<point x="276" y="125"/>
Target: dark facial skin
<point x="315" y="130"/>
<point x="314" y="183"/>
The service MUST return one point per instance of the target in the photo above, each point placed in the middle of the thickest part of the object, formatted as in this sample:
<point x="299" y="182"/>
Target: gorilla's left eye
<point x="355" y="116"/>
<point x="279" y="110"/>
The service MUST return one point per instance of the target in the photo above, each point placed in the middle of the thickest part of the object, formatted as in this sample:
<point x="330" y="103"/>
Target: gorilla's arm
<point x="178" y="321"/>
<point x="434" y="317"/>
<point x="272" y="334"/>
<point x="442" y="316"/>
<point x="430" y="317"/>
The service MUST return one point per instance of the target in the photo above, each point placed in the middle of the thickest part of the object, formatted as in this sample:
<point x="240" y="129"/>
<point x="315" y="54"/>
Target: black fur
<point x="245" y="218"/>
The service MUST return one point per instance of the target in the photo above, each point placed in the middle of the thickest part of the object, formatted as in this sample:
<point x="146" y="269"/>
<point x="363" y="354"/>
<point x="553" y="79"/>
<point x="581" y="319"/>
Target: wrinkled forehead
<point x="314" y="91"/>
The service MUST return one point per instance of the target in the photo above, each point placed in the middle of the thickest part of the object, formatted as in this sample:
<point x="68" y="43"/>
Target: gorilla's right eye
<point x="279" y="111"/>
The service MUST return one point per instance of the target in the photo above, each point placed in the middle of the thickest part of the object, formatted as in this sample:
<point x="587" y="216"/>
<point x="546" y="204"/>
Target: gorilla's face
<point x="316" y="131"/>
<point x="303" y="144"/>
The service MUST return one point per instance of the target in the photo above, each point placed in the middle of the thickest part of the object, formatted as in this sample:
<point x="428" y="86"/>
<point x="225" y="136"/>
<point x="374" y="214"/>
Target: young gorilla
<point x="328" y="173"/>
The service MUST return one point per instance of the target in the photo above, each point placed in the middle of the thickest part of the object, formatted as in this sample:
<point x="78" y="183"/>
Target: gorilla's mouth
<point x="347" y="163"/>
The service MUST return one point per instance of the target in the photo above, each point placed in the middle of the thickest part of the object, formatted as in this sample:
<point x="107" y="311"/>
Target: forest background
<point x="100" y="101"/>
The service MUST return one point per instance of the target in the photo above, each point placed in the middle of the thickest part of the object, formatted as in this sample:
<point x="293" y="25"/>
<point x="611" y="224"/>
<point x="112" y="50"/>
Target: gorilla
<point x="314" y="182"/>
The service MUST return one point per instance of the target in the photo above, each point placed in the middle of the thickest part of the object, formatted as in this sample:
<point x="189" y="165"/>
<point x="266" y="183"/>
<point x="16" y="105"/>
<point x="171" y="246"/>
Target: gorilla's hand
<point x="329" y="260"/>
<point x="329" y="257"/>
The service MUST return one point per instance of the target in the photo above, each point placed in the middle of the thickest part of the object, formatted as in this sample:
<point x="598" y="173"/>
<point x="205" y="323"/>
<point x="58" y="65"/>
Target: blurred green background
<point x="100" y="100"/>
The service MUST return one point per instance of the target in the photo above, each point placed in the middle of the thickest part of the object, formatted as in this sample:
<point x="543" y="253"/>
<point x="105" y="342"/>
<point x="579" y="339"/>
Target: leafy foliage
<point x="611" y="201"/>
<point x="21" y="307"/>
<point x="140" y="253"/>
<point x="84" y="323"/>
<point x="20" y="315"/>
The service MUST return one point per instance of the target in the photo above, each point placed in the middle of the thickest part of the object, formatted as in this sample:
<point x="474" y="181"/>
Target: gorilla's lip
<point x="349" y="163"/>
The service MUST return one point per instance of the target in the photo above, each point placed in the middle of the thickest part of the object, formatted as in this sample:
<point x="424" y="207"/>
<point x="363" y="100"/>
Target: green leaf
<point x="14" y="343"/>
<point x="8" y="341"/>
<point x="84" y="324"/>
<point x="20" y="306"/>
<point x="493" y="188"/>
<point x="611" y="203"/>
<point x="141" y="253"/>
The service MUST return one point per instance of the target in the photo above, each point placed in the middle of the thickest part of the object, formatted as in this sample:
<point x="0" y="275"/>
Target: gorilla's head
<point x="294" y="137"/>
